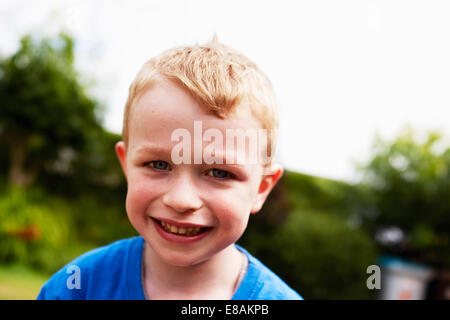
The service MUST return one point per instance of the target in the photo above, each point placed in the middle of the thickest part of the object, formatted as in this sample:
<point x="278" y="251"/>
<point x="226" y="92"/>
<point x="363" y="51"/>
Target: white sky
<point x="342" y="70"/>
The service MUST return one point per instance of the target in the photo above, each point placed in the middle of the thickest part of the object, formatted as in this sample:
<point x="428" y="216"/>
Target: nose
<point x="182" y="195"/>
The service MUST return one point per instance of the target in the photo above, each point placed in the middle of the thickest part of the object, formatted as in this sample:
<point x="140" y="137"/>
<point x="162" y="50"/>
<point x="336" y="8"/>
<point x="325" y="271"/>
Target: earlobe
<point x="268" y="182"/>
<point x="122" y="155"/>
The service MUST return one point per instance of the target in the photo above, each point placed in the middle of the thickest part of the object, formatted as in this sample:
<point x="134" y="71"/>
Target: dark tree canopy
<point x="408" y="185"/>
<point x="45" y="112"/>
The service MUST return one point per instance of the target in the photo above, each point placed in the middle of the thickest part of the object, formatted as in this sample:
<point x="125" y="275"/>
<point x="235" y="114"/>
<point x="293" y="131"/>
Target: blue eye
<point x="219" y="174"/>
<point x="159" y="165"/>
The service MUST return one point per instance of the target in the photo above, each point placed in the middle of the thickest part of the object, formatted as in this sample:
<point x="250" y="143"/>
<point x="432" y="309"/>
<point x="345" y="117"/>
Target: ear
<point x="121" y="152"/>
<point x="269" y="180"/>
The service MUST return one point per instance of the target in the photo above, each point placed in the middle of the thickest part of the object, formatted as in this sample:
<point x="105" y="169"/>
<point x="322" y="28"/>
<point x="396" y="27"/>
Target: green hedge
<point x="46" y="231"/>
<point x="33" y="233"/>
<point x="317" y="254"/>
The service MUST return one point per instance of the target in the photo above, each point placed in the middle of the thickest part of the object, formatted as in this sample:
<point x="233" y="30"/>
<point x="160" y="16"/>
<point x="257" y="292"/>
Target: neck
<point x="215" y="278"/>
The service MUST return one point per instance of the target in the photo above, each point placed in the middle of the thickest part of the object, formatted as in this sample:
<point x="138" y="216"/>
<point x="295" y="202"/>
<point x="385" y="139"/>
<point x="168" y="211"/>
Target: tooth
<point x="194" y="231"/>
<point x="173" y="229"/>
<point x="182" y="230"/>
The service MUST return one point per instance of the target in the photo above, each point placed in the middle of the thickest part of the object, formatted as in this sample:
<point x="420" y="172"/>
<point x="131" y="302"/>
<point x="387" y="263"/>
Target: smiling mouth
<point x="182" y="231"/>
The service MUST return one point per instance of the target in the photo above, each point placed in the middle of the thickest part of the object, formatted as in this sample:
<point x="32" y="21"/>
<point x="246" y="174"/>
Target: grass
<point x="20" y="283"/>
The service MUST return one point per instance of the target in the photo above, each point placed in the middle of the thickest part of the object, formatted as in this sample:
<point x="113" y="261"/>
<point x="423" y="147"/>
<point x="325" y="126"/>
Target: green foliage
<point x="100" y="222"/>
<point x="95" y="189"/>
<point x="51" y="132"/>
<point x="31" y="232"/>
<point x="93" y="170"/>
<point x="407" y="185"/>
<point x="306" y="191"/>
<point x="47" y="231"/>
<point x="319" y="255"/>
<point x="45" y="110"/>
<point x="303" y="234"/>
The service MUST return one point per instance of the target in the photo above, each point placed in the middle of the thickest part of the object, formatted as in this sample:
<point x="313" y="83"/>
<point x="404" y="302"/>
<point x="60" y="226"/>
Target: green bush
<point x="317" y="254"/>
<point x="99" y="222"/>
<point x="31" y="232"/>
<point x="45" y="231"/>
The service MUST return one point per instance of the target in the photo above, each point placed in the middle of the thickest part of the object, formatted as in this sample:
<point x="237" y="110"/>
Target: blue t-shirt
<point x="114" y="272"/>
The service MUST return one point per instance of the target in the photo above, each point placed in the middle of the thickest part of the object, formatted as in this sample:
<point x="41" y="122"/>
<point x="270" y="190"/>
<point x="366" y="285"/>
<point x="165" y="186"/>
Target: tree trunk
<point x="18" y="174"/>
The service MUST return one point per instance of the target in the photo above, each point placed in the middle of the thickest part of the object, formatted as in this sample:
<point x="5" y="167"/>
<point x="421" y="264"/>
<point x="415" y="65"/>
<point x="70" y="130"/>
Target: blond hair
<point x="220" y="78"/>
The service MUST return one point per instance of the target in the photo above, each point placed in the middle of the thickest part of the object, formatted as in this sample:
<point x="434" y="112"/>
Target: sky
<point x="342" y="70"/>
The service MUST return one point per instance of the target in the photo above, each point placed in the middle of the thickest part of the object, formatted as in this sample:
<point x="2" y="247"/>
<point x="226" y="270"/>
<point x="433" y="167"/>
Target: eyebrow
<point x="145" y="149"/>
<point x="223" y="157"/>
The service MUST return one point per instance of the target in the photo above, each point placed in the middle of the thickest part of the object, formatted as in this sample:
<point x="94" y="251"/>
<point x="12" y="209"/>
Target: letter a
<point x="74" y="281"/>
<point x="373" y="282"/>
<point x="183" y="147"/>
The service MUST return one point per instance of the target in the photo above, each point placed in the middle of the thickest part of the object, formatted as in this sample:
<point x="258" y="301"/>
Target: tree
<point x="45" y="113"/>
<point x="407" y="189"/>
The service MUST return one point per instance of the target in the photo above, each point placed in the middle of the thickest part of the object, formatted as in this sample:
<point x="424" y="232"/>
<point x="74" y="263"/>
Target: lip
<point x="171" y="237"/>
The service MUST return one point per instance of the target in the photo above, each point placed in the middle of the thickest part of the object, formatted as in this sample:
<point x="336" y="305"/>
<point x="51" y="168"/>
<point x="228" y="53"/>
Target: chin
<point x="181" y="260"/>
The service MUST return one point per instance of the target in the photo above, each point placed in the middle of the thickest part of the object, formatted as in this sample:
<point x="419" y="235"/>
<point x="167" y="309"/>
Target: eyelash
<point x="229" y="175"/>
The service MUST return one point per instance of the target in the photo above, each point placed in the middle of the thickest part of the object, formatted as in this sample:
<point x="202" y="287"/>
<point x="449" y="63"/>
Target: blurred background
<point x="364" y="100"/>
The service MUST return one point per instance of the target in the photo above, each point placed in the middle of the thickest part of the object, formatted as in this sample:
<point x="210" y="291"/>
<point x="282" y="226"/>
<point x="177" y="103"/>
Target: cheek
<point x="139" y="196"/>
<point x="232" y="209"/>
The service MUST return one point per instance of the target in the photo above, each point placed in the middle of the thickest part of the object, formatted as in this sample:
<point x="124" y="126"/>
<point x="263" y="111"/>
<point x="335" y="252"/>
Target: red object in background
<point x="30" y="233"/>
<point x="405" y="295"/>
<point x="403" y="280"/>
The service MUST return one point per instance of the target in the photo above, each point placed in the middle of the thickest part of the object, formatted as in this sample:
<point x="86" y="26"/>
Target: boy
<point x="189" y="199"/>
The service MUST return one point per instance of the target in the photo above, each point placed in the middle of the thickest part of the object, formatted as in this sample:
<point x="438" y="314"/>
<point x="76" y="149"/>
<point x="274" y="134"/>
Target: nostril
<point x="189" y="211"/>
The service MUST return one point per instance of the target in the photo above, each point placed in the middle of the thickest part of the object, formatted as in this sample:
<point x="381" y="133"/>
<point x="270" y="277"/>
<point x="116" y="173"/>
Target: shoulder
<point x="263" y="284"/>
<point x="90" y="275"/>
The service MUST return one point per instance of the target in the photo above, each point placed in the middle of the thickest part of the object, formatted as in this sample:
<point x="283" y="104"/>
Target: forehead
<point x="166" y="107"/>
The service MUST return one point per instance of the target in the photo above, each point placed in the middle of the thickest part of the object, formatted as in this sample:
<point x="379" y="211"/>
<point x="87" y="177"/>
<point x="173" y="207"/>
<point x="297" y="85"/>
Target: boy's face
<point x="217" y="198"/>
